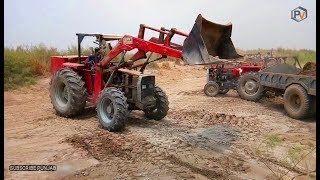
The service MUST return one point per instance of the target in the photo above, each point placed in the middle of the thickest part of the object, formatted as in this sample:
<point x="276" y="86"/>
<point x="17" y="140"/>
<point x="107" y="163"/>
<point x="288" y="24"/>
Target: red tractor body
<point x="117" y="86"/>
<point x="223" y="77"/>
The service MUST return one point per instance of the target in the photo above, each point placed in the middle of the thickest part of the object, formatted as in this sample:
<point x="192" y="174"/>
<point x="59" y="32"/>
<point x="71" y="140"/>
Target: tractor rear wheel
<point x="162" y="105"/>
<point x="211" y="89"/>
<point x="112" y="109"/>
<point x="297" y="103"/>
<point x="67" y="92"/>
<point x="249" y="87"/>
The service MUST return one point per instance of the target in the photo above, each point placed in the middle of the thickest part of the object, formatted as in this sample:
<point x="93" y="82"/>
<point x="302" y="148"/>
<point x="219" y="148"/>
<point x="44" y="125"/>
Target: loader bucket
<point x="208" y="43"/>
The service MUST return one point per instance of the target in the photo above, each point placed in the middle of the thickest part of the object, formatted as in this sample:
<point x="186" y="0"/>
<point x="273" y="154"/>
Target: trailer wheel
<point x="297" y="102"/>
<point x="249" y="87"/>
<point x="223" y="91"/>
<point x="67" y="92"/>
<point x="211" y="89"/>
<point x="162" y="105"/>
<point x="314" y="108"/>
<point x="112" y="109"/>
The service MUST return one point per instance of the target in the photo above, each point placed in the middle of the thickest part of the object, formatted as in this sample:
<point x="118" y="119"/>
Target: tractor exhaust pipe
<point x="208" y="43"/>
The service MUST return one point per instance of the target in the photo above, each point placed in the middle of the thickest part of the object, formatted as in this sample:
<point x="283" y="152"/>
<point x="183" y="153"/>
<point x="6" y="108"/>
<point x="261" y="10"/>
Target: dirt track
<point x="223" y="137"/>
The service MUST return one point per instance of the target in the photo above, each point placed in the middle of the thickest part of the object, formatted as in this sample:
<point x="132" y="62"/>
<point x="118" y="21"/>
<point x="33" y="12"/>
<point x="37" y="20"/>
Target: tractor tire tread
<point x="120" y="103"/>
<point x="162" y="105"/>
<point x="306" y="101"/>
<point x="243" y="94"/>
<point x="78" y="92"/>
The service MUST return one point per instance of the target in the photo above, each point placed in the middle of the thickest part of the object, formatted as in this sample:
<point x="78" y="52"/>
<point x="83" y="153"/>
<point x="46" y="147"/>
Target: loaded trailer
<point x="297" y="88"/>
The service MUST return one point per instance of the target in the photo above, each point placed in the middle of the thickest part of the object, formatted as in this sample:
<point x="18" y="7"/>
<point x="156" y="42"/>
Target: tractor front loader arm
<point x="207" y="43"/>
<point x="128" y="43"/>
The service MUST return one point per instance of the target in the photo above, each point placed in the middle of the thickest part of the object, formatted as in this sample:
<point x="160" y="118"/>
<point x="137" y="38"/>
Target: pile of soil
<point x="308" y="69"/>
<point x="101" y="145"/>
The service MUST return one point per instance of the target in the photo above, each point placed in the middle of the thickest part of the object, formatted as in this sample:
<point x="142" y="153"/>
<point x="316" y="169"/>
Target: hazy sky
<point x="256" y="23"/>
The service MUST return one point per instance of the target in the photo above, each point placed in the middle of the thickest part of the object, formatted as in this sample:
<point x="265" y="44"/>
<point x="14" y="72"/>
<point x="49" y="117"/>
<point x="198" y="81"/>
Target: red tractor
<point x="117" y="86"/>
<point x="223" y="77"/>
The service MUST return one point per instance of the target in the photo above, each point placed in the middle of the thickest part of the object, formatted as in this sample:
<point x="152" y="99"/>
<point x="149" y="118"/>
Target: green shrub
<point x="23" y="64"/>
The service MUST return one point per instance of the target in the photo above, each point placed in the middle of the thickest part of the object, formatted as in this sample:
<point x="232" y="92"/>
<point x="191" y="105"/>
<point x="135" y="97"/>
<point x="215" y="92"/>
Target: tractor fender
<point x="73" y="65"/>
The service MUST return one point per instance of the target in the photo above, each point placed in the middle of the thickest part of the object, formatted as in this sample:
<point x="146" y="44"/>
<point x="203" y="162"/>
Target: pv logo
<point x="298" y="14"/>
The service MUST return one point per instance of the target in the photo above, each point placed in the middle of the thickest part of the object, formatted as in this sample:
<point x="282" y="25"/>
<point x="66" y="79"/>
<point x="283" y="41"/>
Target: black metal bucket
<point x="208" y="43"/>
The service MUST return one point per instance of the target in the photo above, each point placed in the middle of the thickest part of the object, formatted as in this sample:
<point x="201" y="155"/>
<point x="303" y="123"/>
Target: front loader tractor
<point x="115" y="85"/>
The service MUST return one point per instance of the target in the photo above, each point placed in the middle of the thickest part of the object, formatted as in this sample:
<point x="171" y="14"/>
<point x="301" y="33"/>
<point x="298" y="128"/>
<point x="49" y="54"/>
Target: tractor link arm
<point x="112" y="54"/>
<point x="144" y="64"/>
<point x="116" y="69"/>
<point x="128" y="43"/>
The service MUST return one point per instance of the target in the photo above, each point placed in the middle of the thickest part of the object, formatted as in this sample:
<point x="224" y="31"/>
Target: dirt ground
<point x="202" y="137"/>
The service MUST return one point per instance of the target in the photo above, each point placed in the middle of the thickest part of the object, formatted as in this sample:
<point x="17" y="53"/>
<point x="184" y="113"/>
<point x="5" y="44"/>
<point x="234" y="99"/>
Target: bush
<point x="17" y="70"/>
<point x="23" y="64"/>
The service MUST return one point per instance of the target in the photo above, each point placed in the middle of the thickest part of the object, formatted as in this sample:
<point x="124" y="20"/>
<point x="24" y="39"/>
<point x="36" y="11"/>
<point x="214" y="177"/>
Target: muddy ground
<point x="202" y="137"/>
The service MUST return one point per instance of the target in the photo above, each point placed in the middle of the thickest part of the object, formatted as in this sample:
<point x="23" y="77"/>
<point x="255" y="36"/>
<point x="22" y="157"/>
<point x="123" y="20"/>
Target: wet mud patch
<point x="216" y="137"/>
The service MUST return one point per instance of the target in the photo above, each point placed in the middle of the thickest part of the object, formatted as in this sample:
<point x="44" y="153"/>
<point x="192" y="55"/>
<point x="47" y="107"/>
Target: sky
<point x="255" y="23"/>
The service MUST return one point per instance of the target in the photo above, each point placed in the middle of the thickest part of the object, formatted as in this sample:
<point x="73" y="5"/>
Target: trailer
<point x="298" y="89"/>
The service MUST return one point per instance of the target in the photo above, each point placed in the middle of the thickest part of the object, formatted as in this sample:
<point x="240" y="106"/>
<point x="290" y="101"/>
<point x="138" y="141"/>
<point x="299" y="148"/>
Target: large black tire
<point x="297" y="103"/>
<point x="112" y="109"/>
<point x="314" y="108"/>
<point x="211" y="89"/>
<point x="249" y="87"/>
<point x="162" y="105"/>
<point x="67" y="93"/>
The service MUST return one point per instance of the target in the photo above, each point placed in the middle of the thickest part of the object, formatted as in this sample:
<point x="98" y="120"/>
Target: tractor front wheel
<point x="112" y="109"/>
<point x="162" y="105"/>
<point x="67" y="92"/>
<point x="211" y="89"/>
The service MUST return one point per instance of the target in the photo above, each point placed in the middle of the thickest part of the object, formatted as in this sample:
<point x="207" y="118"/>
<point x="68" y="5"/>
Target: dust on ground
<point x="202" y="137"/>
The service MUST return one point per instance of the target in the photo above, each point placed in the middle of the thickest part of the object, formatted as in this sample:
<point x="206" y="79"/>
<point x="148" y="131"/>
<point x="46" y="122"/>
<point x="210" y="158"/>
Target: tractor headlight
<point x="144" y="87"/>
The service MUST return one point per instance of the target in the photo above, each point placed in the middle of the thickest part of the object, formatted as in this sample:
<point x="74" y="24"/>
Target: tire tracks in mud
<point x="211" y="174"/>
<point x="163" y="143"/>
